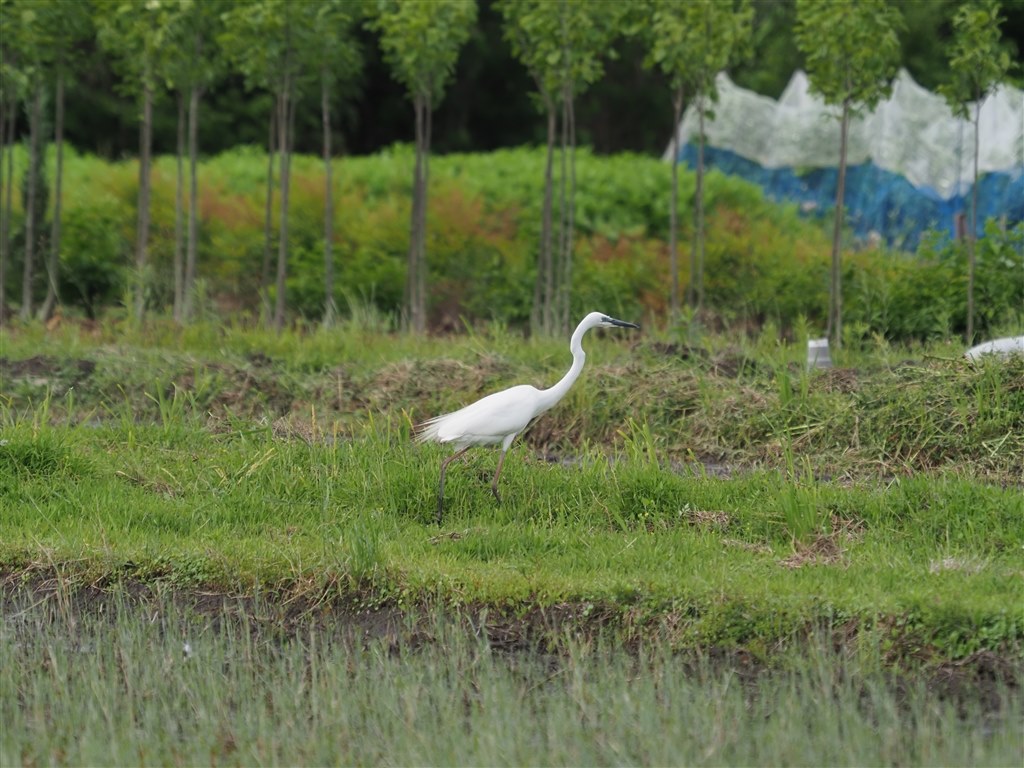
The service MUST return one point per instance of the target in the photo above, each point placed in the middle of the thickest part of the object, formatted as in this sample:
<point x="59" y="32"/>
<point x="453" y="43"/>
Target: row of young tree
<point x="294" y="49"/>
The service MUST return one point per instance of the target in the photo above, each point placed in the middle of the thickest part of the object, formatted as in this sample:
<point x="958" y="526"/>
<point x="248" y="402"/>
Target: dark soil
<point x="45" y="368"/>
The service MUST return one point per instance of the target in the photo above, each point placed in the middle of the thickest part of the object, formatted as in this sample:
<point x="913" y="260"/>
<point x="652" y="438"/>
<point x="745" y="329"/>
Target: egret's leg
<point x="444" y="468"/>
<point x="497" y="472"/>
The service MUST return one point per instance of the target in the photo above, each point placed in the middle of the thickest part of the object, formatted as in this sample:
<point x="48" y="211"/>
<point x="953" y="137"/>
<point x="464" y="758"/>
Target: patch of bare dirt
<point x="979" y="674"/>
<point x="821" y="550"/>
<point x="711" y="519"/>
<point x="280" y="612"/>
<point x="241" y="390"/>
<point x="836" y="380"/>
<point x="421" y="380"/>
<point x="731" y="363"/>
<point x="675" y="349"/>
<point x="728" y="363"/>
<point x="44" y="368"/>
<point x="748" y="546"/>
<point x="825" y="548"/>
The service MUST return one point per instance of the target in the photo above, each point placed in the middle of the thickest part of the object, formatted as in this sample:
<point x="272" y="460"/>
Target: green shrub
<point x="764" y="262"/>
<point x="924" y="296"/>
<point x="94" y="253"/>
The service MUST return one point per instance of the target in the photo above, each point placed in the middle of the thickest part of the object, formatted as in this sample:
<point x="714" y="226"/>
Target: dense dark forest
<point x="489" y="103"/>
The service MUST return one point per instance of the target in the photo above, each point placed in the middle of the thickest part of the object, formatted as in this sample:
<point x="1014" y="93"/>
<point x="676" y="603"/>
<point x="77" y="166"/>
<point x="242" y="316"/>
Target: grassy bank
<point x="933" y="562"/>
<point x="729" y="402"/>
<point x="716" y="496"/>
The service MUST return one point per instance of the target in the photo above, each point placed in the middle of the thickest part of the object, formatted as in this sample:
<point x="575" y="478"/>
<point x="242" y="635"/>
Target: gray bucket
<point x="817" y="354"/>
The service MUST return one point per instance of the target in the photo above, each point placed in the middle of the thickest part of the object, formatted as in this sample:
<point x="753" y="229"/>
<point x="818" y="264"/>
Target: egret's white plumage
<point x="498" y="418"/>
<point x="1011" y="345"/>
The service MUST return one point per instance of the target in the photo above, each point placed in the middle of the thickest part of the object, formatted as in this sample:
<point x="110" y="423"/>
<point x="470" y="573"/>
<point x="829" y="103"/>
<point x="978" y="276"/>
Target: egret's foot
<point x="497" y="496"/>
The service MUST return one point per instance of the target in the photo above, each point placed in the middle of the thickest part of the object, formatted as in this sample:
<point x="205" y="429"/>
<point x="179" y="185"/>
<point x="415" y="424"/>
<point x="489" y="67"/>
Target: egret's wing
<point x="486" y="421"/>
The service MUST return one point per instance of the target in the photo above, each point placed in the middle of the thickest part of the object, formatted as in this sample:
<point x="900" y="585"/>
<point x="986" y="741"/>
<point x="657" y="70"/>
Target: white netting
<point x="913" y="133"/>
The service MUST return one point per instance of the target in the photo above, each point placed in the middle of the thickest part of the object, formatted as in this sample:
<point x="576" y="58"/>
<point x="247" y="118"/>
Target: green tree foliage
<point x="294" y="49"/>
<point x="691" y="42"/>
<point x="29" y="36"/>
<point x="192" y="63"/>
<point x="927" y="28"/>
<point x="773" y="56"/>
<point x="12" y="87"/>
<point x="339" y="59"/>
<point x="586" y="32"/>
<point x="562" y="44"/>
<point x="852" y="51"/>
<point x="134" y="34"/>
<point x="421" y="43"/>
<point x="269" y="42"/>
<point x="532" y="34"/>
<point x="40" y="41"/>
<point x="977" y="65"/>
<point x="62" y="27"/>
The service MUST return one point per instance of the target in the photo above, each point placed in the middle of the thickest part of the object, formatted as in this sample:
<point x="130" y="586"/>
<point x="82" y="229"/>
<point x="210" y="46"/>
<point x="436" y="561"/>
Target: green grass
<point x="121" y="689"/>
<point x="721" y="557"/>
<point x="885" y="495"/>
<point x="704" y="555"/>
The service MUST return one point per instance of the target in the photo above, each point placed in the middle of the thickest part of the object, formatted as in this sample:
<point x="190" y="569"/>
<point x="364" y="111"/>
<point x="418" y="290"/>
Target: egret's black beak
<point x="621" y="323"/>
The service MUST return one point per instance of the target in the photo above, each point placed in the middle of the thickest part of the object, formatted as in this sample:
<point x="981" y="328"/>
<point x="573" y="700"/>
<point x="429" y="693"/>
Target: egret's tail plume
<point x="427" y="431"/>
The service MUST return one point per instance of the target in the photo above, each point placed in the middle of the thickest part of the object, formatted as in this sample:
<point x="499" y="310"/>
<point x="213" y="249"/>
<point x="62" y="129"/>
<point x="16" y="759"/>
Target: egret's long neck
<point x="548" y="397"/>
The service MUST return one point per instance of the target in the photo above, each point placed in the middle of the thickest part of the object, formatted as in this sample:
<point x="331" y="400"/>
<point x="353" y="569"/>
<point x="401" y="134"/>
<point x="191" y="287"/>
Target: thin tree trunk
<point x="3" y="211"/>
<point x="142" y="233"/>
<point x="286" y="117"/>
<point x="53" y="268"/>
<point x="35" y="118"/>
<point x="268" y="218"/>
<point x="557" y="270"/>
<point x="673" y="214"/>
<point x="571" y="220"/>
<point x="179" y="215"/>
<point x="973" y="229"/>
<point x="413" y="262"/>
<point x="330" y="308"/>
<point x="410" y="261"/>
<point x="698" y="210"/>
<point x="835" y="316"/>
<point x="421" y="272"/>
<point x="5" y="193"/>
<point x="5" y="225"/>
<point x="193" y="203"/>
<point x="542" y="294"/>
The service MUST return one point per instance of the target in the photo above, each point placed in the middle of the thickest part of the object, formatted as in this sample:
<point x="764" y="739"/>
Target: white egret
<point x="1011" y="345"/>
<point x="498" y="418"/>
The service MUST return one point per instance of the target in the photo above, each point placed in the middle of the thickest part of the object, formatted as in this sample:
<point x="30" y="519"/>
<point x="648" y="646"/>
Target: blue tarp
<point x="876" y="200"/>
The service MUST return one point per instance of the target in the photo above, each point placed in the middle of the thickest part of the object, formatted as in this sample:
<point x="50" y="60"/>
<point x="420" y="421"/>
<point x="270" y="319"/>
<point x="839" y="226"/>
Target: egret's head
<point x="600" y="320"/>
<point x="611" y="322"/>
